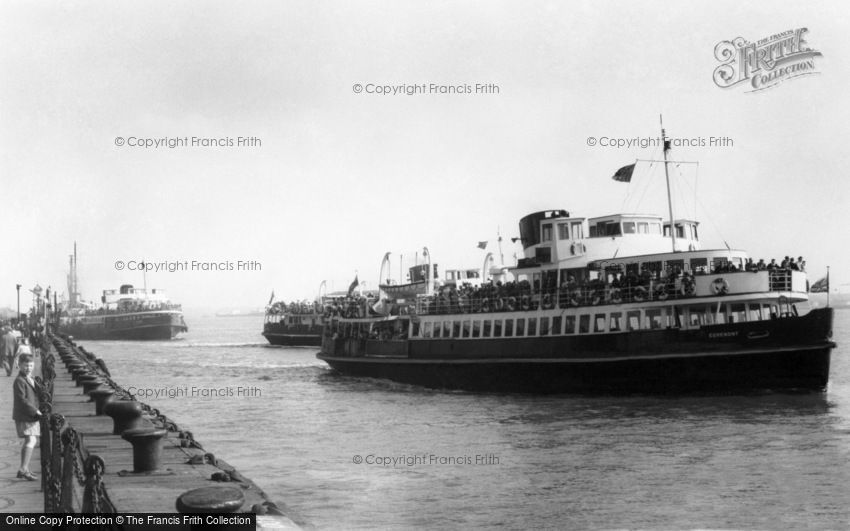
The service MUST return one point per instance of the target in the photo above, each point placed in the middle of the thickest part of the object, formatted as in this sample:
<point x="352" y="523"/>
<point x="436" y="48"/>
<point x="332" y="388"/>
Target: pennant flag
<point x="353" y="285"/>
<point x="821" y="286"/>
<point x="271" y="299"/>
<point x="482" y="245"/>
<point x="624" y="174"/>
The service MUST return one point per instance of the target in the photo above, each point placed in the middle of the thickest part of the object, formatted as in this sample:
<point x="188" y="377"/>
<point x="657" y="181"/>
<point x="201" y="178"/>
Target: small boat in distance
<point x="240" y="313"/>
<point x="621" y="303"/>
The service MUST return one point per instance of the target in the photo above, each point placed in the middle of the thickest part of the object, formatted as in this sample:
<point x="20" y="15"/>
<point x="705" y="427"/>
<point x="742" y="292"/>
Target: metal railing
<point x="565" y="297"/>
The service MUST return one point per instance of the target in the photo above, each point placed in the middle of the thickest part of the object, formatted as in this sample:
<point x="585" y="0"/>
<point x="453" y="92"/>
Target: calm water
<point x="766" y="461"/>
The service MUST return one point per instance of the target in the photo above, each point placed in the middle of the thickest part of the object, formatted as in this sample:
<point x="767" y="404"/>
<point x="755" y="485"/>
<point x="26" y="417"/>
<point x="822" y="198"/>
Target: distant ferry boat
<point x="301" y="323"/>
<point x="125" y="313"/>
<point x="294" y="324"/>
<point x="623" y="303"/>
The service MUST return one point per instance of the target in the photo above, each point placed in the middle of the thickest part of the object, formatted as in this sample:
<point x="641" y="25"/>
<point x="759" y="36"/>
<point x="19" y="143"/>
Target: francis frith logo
<point x="765" y="63"/>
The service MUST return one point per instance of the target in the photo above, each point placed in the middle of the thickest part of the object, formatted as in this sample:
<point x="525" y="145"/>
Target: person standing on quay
<point x="23" y="348"/>
<point x="9" y="345"/>
<point x="26" y="413"/>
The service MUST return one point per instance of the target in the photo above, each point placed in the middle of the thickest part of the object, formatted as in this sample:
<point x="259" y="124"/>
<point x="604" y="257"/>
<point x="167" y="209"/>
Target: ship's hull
<point x="153" y="325"/>
<point x="780" y="354"/>
<point x="294" y="335"/>
<point x="294" y="340"/>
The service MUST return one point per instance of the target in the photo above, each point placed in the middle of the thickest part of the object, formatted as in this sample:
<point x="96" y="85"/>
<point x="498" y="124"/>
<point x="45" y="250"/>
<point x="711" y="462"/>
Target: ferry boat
<point x="622" y="303"/>
<point x="125" y="313"/>
<point x="301" y="323"/>
<point x="294" y="324"/>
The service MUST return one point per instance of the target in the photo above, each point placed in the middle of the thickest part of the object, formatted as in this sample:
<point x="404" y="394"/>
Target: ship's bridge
<point x="642" y="233"/>
<point x="128" y="293"/>
<point x="552" y="237"/>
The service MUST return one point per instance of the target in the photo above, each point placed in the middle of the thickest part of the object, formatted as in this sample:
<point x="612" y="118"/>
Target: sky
<point x="332" y="177"/>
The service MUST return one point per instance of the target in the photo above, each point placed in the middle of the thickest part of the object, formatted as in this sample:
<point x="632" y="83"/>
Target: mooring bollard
<point x="91" y="385"/>
<point x="78" y="371"/>
<point x="147" y="447"/>
<point x="126" y="415"/>
<point x="210" y="500"/>
<point x="75" y="365"/>
<point x="83" y="378"/>
<point x="100" y="396"/>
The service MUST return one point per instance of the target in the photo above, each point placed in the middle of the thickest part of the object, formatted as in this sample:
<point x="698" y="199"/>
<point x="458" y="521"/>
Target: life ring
<point x="575" y="297"/>
<point x="689" y="287"/>
<point x="616" y="295"/>
<point x="640" y="293"/>
<point x="720" y="286"/>
<point x="525" y="303"/>
<point x="547" y="302"/>
<point x="500" y="304"/>
<point x="485" y="305"/>
<point x="511" y="304"/>
<point x="661" y="292"/>
<point x="573" y="249"/>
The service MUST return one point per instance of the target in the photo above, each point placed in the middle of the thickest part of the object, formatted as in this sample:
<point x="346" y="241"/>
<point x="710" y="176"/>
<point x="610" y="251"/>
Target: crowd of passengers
<point x="623" y="287"/>
<point x="352" y="306"/>
<point x="787" y="263"/>
<point x="135" y="307"/>
<point x="296" y="307"/>
<point x="521" y="295"/>
<point x="384" y="331"/>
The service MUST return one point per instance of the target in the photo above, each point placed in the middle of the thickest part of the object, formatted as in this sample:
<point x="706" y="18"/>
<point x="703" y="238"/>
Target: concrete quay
<point x="118" y="455"/>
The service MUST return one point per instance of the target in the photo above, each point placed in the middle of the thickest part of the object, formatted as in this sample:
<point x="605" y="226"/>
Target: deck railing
<point x="587" y="295"/>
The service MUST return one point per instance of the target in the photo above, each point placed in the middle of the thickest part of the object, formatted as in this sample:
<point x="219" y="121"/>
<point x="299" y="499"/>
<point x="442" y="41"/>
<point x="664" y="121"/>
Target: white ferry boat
<point x="622" y="303"/>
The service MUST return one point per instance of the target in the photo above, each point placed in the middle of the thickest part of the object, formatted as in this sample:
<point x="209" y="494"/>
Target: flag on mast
<point x="821" y="286"/>
<point x="271" y="299"/>
<point x="353" y="285"/>
<point x="482" y="245"/>
<point x="624" y="174"/>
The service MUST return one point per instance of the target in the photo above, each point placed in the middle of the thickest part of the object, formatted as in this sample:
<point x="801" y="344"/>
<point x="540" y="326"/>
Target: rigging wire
<point x="646" y="185"/>
<point x="708" y="216"/>
<point x="646" y="188"/>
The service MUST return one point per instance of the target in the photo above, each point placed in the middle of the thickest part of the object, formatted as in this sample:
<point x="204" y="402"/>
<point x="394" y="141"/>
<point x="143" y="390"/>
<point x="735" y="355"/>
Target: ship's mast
<point x="72" y="279"/>
<point x="666" y="144"/>
<point x="501" y="254"/>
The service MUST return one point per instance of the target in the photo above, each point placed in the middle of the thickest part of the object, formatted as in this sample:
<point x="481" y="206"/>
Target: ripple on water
<point x="565" y="462"/>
